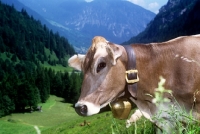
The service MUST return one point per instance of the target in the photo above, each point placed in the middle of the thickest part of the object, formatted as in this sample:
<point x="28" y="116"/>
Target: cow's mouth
<point x="111" y="100"/>
<point x="105" y="104"/>
<point x="84" y="108"/>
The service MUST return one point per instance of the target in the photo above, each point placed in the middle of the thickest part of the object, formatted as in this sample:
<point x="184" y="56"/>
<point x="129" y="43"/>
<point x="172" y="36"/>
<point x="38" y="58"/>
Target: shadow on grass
<point x="29" y="110"/>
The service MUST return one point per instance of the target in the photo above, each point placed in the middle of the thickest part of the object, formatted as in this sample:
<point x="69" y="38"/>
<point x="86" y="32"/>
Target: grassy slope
<point x="7" y="56"/>
<point x="58" y="67"/>
<point x="54" y="112"/>
<point x="60" y="118"/>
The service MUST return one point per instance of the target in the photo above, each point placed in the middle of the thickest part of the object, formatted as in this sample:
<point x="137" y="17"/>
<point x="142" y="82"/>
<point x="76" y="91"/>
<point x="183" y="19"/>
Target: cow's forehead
<point x="101" y="50"/>
<point x="98" y="48"/>
<point x="97" y="40"/>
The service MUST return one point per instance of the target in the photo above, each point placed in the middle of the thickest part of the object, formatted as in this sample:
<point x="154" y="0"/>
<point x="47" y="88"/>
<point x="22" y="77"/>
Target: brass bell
<point x="121" y="108"/>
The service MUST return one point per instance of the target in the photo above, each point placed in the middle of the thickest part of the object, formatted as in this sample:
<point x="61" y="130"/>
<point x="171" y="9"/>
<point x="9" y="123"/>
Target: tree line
<point x="24" y="85"/>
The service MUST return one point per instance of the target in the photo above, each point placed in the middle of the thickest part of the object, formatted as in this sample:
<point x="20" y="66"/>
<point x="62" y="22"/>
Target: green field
<point x="60" y="118"/>
<point x="58" y="67"/>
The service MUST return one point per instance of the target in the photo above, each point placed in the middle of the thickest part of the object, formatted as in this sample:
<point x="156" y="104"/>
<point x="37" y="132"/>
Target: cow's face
<point x="104" y="75"/>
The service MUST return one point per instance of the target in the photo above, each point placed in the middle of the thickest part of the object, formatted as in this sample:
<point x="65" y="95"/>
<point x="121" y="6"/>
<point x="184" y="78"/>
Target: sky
<point x="152" y="5"/>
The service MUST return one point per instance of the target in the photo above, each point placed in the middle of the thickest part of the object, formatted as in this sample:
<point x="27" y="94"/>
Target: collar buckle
<point x="133" y="73"/>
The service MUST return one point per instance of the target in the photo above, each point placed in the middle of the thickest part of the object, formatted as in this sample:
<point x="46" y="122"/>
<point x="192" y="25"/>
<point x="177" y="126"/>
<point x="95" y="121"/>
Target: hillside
<point x="27" y="38"/>
<point x="117" y="20"/>
<point x="176" y="18"/>
<point x="29" y="52"/>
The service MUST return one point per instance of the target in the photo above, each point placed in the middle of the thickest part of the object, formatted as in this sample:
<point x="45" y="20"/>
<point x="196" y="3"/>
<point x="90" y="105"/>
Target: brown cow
<point x="105" y="64"/>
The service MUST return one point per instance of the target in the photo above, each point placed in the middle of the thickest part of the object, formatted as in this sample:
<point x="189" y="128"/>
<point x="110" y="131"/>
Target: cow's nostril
<point x="82" y="110"/>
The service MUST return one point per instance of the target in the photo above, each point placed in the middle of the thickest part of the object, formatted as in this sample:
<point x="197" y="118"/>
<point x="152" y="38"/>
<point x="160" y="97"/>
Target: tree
<point x="1" y="105"/>
<point x="57" y="88"/>
<point x="43" y="84"/>
<point x="75" y="86"/>
<point x="8" y="105"/>
<point x="28" y="95"/>
<point x="7" y="95"/>
<point x="66" y="85"/>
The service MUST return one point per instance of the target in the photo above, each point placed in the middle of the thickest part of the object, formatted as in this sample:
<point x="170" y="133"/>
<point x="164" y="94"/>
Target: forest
<point x="24" y="81"/>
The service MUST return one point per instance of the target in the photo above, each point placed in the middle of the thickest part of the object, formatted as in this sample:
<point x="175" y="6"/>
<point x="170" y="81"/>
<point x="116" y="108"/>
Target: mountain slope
<point x="25" y="47"/>
<point x="116" y="20"/>
<point x="176" y="18"/>
<point x="27" y="39"/>
<point x="19" y="6"/>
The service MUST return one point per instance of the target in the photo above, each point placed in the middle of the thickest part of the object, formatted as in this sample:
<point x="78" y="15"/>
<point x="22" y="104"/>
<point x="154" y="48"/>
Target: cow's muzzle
<point x="85" y="108"/>
<point x="81" y="110"/>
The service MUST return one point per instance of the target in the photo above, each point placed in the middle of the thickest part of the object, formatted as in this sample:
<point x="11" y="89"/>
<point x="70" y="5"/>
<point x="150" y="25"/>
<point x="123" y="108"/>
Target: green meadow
<point x="60" y="118"/>
<point x="57" y="67"/>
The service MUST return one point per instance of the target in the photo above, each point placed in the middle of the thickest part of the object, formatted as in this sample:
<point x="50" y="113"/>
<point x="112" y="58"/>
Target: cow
<point x="111" y="71"/>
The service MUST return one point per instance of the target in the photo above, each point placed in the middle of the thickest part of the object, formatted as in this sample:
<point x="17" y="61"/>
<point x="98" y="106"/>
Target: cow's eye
<point x="101" y="66"/>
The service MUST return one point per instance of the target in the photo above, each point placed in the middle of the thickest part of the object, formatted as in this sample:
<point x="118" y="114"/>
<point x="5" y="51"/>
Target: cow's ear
<point x="76" y="61"/>
<point x="114" y="52"/>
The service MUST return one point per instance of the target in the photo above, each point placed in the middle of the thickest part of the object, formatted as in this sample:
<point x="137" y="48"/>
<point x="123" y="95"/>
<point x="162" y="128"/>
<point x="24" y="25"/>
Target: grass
<point x="54" y="113"/>
<point x="4" y="56"/>
<point x="7" y="56"/>
<point x="51" y="55"/>
<point x="102" y="123"/>
<point x="58" y="67"/>
<point x="174" y="112"/>
<point x="60" y="118"/>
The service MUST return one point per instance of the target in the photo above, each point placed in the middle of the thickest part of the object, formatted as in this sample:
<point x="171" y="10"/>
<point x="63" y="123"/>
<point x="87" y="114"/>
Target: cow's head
<point x="104" y="75"/>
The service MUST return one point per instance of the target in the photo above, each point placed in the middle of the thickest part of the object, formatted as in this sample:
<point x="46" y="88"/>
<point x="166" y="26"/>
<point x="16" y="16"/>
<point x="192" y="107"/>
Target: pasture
<point x="60" y="118"/>
<point x="57" y="67"/>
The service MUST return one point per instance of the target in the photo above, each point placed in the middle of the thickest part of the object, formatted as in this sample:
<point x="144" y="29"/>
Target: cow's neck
<point x="152" y="62"/>
<point x="143" y="55"/>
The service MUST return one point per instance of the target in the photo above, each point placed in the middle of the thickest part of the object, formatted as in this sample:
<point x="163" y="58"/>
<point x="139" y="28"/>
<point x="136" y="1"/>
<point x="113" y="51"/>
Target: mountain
<point x="176" y="18"/>
<point x="19" y="6"/>
<point x="117" y="20"/>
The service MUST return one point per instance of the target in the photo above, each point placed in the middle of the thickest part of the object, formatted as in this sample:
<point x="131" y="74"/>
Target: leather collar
<point x="131" y="73"/>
